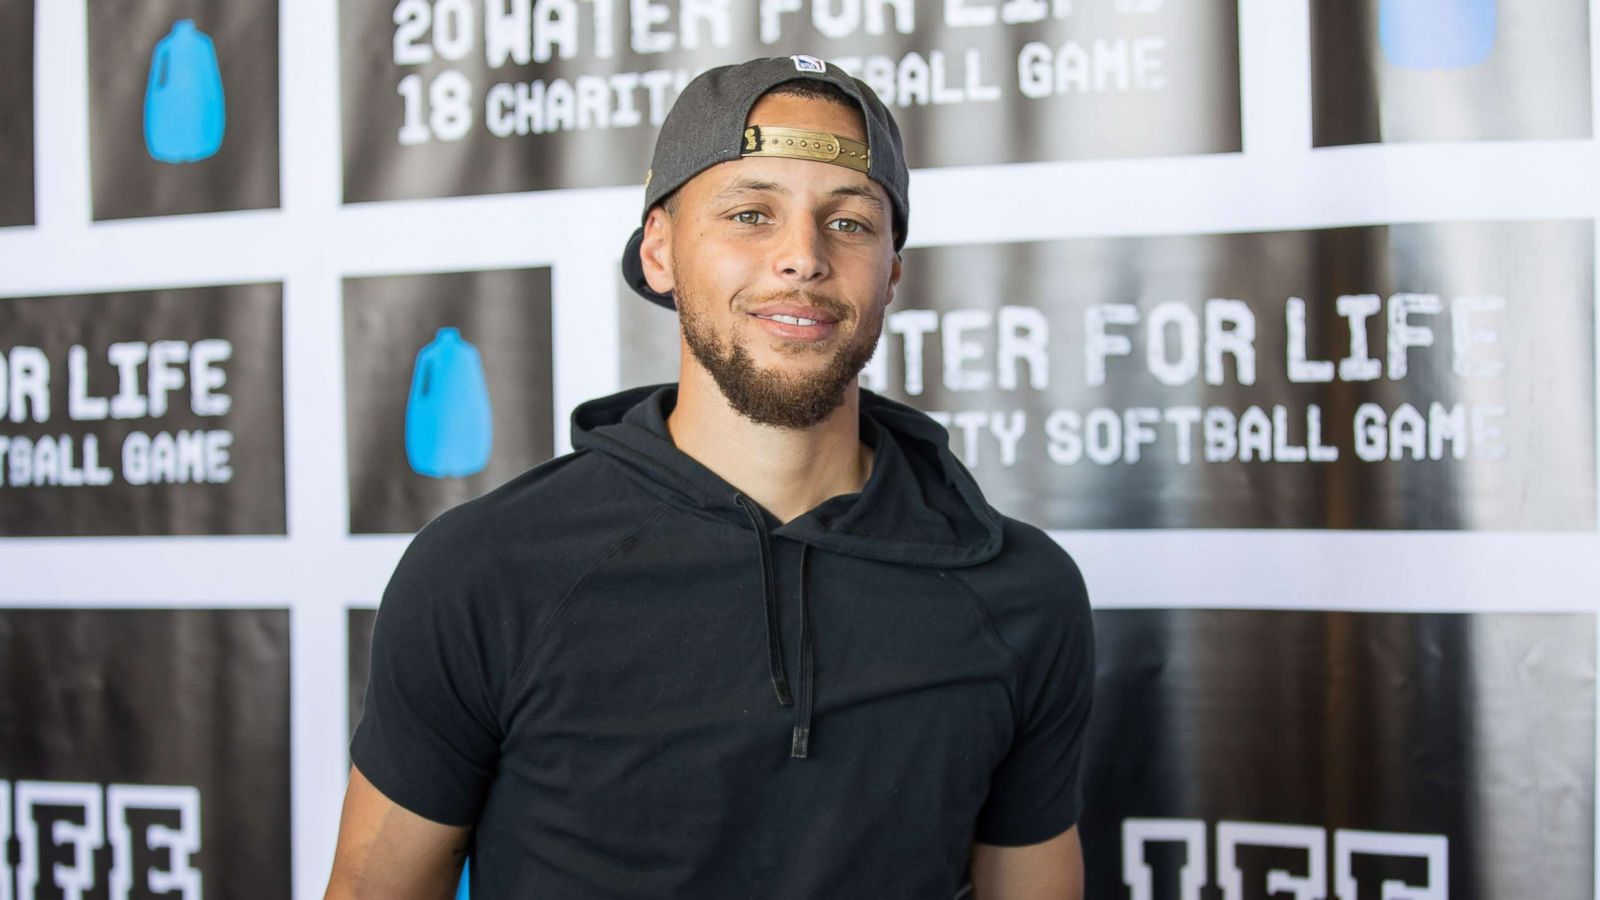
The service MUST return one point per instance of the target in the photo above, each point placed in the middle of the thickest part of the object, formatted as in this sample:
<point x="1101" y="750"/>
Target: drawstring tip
<point x="798" y="744"/>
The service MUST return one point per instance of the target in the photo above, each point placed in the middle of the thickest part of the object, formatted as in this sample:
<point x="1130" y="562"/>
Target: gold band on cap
<point x="800" y="143"/>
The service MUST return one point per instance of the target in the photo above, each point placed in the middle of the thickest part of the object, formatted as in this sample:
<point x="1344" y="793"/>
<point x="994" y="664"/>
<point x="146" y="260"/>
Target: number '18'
<point x="444" y="114"/>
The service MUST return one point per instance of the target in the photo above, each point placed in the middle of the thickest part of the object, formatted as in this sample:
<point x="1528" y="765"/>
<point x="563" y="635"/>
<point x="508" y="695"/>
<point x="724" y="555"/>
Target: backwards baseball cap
<point x="706" y="126"/>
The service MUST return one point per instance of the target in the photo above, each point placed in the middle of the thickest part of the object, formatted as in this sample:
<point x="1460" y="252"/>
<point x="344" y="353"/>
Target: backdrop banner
<point x="148" y="755"/>
<point x="476" y="97"/>
<point x="1250" y="755"/>
<point x="1428" y="376"/>
<point x="1222" y="294"/>
<point x="16" y="114"/>
<point x="448" y="382"/>
<point x="143" y="412"/>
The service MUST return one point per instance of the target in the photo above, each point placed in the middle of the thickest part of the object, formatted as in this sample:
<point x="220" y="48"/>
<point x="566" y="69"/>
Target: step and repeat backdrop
<point x="1278" y="314"/>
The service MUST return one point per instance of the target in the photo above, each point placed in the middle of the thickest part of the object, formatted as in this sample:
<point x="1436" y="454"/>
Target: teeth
<point x="790" y="320"/>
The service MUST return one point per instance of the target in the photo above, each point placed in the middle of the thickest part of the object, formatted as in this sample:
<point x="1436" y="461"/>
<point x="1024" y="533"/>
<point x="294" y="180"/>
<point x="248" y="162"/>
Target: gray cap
<point x="706" y="126"/>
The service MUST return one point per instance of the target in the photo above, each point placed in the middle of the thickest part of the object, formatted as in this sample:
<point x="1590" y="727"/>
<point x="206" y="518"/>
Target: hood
<point x="920" y="506"/>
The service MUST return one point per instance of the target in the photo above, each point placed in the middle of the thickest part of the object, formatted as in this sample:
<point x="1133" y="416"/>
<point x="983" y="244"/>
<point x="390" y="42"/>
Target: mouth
<point x="795" y="321"/>
<point x="790" y="320"/>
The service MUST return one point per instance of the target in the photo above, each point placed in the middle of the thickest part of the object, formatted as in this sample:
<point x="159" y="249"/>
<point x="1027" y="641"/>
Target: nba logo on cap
<point x="804" y="63"/>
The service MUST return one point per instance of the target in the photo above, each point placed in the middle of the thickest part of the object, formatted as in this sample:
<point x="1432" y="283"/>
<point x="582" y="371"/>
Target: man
<point x="759" y="635"/>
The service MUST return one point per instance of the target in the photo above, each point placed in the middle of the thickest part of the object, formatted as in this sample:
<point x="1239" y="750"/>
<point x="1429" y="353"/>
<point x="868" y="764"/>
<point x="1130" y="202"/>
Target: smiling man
<point x="759" y="634"/>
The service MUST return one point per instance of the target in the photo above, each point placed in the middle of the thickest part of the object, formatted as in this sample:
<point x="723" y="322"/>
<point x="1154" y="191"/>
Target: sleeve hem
<point x="1028" y="833"/>
<point x="403" y="794"/>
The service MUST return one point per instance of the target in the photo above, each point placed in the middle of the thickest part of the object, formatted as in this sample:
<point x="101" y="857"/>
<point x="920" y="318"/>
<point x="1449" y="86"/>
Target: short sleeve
<point x="429" y="734"/>
<point x="1035" y="793"/>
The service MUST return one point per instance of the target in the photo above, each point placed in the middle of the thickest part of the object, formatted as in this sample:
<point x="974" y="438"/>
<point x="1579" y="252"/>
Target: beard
<point x="769" y="396"/>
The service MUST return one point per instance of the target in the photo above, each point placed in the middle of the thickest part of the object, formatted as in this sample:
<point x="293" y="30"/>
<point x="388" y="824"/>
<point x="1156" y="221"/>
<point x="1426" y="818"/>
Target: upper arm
<point x="386" y="851"/>
<point x="426" y="747"/>
<point x="430" y="733"/>
<point x="1050" y="870"/>
<point x="1035" y="791"/>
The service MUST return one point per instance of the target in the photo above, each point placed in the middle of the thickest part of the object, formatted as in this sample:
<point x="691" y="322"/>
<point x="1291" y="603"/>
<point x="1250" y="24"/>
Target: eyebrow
<point x="752" y="186"/>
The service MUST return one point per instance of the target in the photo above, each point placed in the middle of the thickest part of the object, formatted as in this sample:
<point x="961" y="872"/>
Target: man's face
<point x="781" y="269"/>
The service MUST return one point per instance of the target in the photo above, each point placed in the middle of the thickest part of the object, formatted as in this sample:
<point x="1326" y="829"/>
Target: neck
<point x="786" y="471"/>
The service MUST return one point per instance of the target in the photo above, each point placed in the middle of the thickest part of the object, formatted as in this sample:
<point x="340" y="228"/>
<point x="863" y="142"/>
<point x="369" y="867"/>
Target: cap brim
<point x="633" y="273"/>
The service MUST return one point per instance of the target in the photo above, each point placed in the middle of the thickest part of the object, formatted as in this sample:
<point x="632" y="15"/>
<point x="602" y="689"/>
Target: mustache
<point x="838" y="309"/>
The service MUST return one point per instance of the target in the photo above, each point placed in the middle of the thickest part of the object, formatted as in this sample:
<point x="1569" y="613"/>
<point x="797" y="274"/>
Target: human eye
<point x="747" y="217"/>
<point x="850" y="226"/>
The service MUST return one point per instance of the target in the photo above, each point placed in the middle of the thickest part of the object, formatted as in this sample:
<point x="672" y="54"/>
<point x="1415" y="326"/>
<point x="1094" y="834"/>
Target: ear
<point x="655" y="252"/>
<point x="894" y="279"/>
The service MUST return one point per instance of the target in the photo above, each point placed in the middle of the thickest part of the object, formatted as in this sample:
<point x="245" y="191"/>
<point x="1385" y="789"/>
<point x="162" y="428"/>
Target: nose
<point x="802" y="254"/>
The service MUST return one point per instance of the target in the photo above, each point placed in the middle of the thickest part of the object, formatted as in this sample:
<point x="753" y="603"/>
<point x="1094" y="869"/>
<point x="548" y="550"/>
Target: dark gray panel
<point x="1449" y="70"/>
<point x="506" y="315"/>
<point x="16" y="113"/>
<point x="1476" y="728"/>
<point x="1126" y="79"/>
<point x="358" y="638"/>
<point x="1051" y="445"/>
<point x="185" y="698"/>
<point x="128" y="181"/>
<point x="210" y="462"/>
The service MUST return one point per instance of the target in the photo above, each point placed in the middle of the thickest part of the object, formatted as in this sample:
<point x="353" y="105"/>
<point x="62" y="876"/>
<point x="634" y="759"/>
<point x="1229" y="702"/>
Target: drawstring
<point x="780" y="679"/>
<point x="800" y="738"/>
<point x="802" y="716"/>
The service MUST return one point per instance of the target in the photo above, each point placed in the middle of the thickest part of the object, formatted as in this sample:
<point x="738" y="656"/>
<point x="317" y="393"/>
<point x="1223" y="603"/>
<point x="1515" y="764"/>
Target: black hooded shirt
<point x="634" y="681"/>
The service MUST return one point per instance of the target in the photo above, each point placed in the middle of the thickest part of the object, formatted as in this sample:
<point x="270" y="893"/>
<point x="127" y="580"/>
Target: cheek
<point x="719" y="268"/>
<point x="873" y="271"/>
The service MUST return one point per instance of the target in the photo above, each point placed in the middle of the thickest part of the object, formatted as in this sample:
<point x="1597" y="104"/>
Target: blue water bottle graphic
<point x="1437" y="34"/>
<point x="449" y="428"/>
<point x="184" y="110"/>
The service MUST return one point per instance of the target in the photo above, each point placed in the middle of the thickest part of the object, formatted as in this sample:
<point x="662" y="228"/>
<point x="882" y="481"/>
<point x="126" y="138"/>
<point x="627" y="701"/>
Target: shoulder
<point x="547" y="517"/>
<point x="1033" y="592"/>
<point x="1031" y="569"/>
<point x="1032" y="549"/>
<point x="510" y="554"/>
